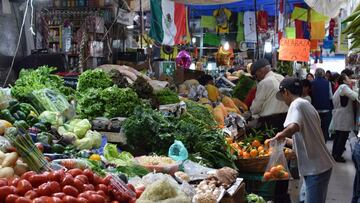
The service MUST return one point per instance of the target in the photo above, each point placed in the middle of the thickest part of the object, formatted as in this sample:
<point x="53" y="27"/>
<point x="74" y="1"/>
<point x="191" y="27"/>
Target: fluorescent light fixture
<point x="193" y="40"/>
<point x="226" y="46"/>
<point x="268" y="47"/>
<point x="130" y="27"/>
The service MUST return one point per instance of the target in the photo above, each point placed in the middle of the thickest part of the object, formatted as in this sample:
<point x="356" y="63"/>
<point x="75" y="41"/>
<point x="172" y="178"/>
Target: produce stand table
<point x="237" y="193"/>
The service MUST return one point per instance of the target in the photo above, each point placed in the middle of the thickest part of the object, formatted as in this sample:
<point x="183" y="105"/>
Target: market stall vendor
<point x="269" y="111"/>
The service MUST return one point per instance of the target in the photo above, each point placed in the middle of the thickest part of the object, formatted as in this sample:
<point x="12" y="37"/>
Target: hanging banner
<point x="294" y="50"/>
<point x="125" y="17"/>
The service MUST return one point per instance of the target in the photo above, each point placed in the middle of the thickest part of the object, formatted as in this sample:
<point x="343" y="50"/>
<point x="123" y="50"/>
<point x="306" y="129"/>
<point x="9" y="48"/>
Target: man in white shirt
<point x="270" y="111"/>
<point x="303" y="125"/>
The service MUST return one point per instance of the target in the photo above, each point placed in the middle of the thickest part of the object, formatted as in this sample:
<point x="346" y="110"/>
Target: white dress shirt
<point x="265" y="102"/>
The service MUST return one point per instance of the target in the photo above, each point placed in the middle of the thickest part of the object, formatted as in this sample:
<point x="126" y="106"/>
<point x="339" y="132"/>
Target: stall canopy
<point x="246" y="5"/>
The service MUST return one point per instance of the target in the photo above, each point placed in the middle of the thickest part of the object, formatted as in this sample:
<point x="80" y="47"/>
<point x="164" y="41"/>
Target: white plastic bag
<point x="277" y="168"/>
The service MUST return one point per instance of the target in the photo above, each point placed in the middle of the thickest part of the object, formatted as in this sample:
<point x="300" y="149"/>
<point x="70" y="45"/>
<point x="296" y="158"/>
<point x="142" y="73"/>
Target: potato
<point x="6" y="172"/>
<point x="2" y="156"/>
<point x="10" y="159"/>
<point x="20" y="168"/>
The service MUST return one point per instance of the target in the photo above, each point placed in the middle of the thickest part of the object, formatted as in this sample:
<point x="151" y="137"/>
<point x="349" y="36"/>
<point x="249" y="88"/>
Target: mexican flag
<point x="168" y="22"/>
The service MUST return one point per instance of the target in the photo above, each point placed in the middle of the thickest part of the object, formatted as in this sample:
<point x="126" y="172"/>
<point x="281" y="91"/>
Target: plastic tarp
<point x="328" y="8"/>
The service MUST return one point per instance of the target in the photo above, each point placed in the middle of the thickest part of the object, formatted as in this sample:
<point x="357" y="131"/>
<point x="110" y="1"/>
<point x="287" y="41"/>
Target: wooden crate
<point x="237" y="197"/>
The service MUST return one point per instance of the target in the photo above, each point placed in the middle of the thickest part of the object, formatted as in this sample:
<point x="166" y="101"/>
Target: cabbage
<point x="52" y="117"/>
<point x="84" y="143"/>
<point x="95" y="137"/>
<point x="80" y="127"/>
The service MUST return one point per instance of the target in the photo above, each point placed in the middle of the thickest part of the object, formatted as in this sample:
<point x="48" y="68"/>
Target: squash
<point x="241" y="105"/>
<point x="228" y="102"/>
<point x="4" y="125"/>
<point x="213" y="93"/>
<point x="219" y="116"/>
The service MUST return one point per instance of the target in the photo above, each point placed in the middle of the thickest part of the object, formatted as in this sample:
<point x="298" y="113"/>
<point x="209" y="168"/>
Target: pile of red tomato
<point x="72" y="186"/>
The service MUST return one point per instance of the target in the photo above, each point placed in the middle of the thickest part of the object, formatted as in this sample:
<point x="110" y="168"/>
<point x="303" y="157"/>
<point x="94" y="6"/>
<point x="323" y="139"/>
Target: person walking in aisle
<point x="343" y="116"/>
<point x="303" y="125"/>
<point x="321" y="96"/>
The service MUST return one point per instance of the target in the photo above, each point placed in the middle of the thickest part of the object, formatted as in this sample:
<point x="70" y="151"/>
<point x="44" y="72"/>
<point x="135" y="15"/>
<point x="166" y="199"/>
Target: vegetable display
<point x="89" y="103"/>
<point x="166" y="96"/>
<point x="40" y="78"/>
<point x="93" y="79"/>
<point x="242" y="87"/>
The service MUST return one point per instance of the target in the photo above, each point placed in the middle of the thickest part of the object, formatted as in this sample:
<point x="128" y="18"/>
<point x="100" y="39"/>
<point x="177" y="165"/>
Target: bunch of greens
<point x="37" y="79"/>
<point x="150" y="131"/>
<point x="243" y="87"/>
<point x="89" y="103"/>
<point x="119" y="101"/>
<point x="124" y="161"/>
<point x="143" y="88"/>
<point x="200" y="113"/>
<point x="147" y="130"/>
<point x="285" y="68"/>
<point x="166" y="96"/>
<point x="93" y="79"/>
<point x="118" y="78"/>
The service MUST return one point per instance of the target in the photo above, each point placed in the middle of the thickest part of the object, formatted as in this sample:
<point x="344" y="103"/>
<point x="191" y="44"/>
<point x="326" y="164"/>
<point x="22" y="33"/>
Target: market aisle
<point x="341" y="182"/>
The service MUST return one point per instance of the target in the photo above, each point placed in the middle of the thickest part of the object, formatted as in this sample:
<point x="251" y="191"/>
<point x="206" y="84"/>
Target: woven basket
<point x="258" y="165"/>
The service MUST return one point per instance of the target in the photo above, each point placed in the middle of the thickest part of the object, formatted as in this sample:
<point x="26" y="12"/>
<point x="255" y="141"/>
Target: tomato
<point x="88" y="187"/>
<point x="45" y="189"/>
<point x="89" y="174"/>
<point x="23" y="200"/>
<point x="40" y="146"/>
<point x="95" y="198"/>
<point x="114" y="201"/>
<point x="58" y="175"/>
<point x="23" y="186"/>
<point x="11" y="198"/>
<point x="70" y="190"/>
<point x="97" y="180"/>
<point x="55" y="187"/>
<point x="13" y="181"/>
<point x="83" y="178"/>
<point x="69" y="199"/>
<point x="43" y="199"/>
<point x="75" y="171"/>
<point x="82" y="200"/>
<point x="100" y="192"/>
<point x="67" y="180"/>
<point x="56" y="200"/>
<point x="138" y="193"/>
<point x="78" y="184"/>
<point x="59" y="195"/>
<point x="3" y="182"/>
<point x="106" y="180"/>
<point x="31" y="194"/>
<point x="102" y="187"/>
<point x="37" y="179"/>
<point x="5" y="191"/>
<point x="27" y="175"/>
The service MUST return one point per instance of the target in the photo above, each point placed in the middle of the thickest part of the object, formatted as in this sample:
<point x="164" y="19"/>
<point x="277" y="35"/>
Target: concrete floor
<point x="341" y="182"/>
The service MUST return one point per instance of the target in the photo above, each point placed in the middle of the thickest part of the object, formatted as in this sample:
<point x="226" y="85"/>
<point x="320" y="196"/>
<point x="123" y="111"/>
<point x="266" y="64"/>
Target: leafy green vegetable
<point x="52" y="117"/>
<point x="40" y="78"/>
<point x="143" y="88"/>
<point x="93" y="79"/>
<point x="119" y="102"/>
<point x="242" y="87"/>
<point x="124" y="161"/>
<point x="166" y="96"/>
<point x="89" y="103"/>
<point x="200" y="113"/>
<point x="79" y="126"/>
<point x="118" y="78"/>
<point x="253" y="198"/>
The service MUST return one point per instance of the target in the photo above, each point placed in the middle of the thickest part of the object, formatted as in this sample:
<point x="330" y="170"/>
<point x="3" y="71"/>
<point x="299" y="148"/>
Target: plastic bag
<point x="277" y="168"/>
<point x="178" y="151"/>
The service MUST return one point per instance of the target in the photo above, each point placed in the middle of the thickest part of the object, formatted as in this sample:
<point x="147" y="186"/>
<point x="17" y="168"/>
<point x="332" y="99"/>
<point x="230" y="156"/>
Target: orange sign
<point x="294" y="50"/>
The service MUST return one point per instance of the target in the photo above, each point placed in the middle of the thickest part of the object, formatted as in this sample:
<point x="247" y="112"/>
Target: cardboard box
<point x="237" y="196"/>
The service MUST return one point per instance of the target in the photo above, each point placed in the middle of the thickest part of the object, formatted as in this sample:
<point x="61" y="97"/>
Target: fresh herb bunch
<point x="119" y="102"/>
<point x="166" y="96"/>
<point x="200" y="113"/>
<point x="93" y="79"/>
<point x="89" y="103"/>
<point x="143" y="88"/>
<point x="143" y="131"/>
<point x="118" y="78"/>
<point x="37" y="79"/>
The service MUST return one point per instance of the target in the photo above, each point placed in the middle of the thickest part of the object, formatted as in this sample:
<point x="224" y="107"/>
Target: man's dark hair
<point x="341" y="78"/>
<point x="347" y="72"/>
<point x="306" y="83"/>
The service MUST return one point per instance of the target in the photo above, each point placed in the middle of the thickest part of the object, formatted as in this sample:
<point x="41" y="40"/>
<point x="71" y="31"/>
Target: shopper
<point x="321" y="96"/>
<point x="306" y="91"/>
<point x="303" y="125"/>
<point x="310" y="77"/>
<point x="343" y="116"/>
<point x="356" y="186"/>
<point x="270" y="111"/>
<point x="328" y="75"/>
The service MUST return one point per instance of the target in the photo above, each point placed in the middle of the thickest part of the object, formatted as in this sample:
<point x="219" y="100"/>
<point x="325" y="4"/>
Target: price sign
<point x="294" y="50"/>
